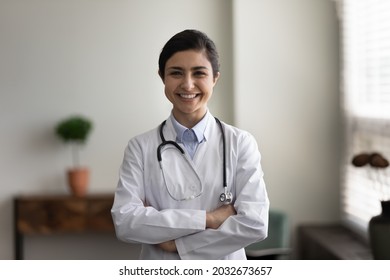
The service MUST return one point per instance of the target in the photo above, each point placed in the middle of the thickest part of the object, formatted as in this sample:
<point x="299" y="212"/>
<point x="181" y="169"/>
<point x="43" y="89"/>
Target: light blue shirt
<point x="190" y="137"/>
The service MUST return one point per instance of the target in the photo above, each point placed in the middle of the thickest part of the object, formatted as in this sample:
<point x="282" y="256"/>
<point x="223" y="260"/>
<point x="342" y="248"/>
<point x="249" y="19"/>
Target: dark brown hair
<point x="189" y="40"/>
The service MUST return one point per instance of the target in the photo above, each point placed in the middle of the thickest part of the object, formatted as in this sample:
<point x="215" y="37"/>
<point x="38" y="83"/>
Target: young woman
<point x="193" y="187"/>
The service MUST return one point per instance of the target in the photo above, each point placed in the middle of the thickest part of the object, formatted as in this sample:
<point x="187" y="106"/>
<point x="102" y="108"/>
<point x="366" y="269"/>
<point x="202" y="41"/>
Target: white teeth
<point x="188" y="96"/>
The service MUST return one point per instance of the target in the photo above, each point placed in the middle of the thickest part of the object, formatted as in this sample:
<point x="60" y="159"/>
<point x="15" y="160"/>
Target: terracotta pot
<point x="78" y="180"/>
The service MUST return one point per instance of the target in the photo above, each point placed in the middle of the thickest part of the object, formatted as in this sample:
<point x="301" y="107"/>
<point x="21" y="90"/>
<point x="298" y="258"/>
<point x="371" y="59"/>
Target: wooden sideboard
<point x="53" y="214"/>
<point x="331" y="242"/>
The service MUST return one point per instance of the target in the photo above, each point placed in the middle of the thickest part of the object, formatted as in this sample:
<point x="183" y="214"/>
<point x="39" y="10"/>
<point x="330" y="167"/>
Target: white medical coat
<point x="144" y="212"/>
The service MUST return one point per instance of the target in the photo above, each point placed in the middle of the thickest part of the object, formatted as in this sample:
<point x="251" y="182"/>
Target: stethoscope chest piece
<point x="226" y="197"/>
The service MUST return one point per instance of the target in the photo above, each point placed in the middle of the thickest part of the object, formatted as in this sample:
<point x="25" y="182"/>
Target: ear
<point x="162" y="78"/>
<point x="216" y="77"/>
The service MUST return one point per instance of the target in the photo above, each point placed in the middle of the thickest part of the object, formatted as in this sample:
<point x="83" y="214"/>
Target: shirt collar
<point x="199" y="128"/>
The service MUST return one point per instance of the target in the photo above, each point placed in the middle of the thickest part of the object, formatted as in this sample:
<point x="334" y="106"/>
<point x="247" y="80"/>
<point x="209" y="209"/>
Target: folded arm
<point x="214" y="220"/>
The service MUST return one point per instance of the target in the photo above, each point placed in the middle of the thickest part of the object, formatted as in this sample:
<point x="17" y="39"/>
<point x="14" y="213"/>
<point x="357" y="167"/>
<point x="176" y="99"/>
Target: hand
<point x="216" y="218"/>
<point x="169" y="246"/>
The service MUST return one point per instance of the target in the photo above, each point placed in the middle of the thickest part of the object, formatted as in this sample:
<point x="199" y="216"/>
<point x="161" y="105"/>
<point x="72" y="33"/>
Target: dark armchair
<point x="276" y="245"/>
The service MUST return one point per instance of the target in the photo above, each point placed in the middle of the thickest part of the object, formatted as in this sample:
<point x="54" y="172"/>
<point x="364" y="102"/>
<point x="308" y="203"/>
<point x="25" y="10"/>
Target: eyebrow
<point x="193" y="68"/>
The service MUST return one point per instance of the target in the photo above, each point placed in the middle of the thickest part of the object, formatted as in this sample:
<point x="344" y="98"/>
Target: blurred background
<point x="280" y="80"/>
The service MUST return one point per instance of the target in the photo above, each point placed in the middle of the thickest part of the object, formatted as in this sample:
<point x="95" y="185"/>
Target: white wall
<point x="287" y="95"/>
<point x="99" y="58"/>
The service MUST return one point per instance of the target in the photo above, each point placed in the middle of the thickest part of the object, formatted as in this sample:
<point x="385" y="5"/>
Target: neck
<point x="188" y="120"/>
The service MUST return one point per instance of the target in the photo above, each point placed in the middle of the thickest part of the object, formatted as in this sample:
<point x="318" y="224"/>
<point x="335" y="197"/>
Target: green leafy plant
<point x="75" y="131"/>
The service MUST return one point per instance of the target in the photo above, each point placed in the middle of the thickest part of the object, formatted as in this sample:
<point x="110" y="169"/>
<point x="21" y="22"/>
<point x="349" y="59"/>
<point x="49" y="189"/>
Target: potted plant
<point x="74" y="131"/>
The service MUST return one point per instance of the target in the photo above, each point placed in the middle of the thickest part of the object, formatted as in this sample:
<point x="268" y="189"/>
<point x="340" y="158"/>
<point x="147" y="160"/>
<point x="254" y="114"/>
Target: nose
<point x="187" y="83"/>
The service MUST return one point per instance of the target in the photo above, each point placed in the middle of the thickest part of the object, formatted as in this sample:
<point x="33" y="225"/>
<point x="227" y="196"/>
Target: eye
<point x="200" y="73"/>
<point x="175" y="73"/>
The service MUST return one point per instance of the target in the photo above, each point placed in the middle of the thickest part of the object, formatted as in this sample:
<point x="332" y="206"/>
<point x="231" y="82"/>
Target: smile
<point x="188" y="96"/>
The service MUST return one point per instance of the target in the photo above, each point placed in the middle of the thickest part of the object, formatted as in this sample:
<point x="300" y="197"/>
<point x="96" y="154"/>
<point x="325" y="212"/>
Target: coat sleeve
<point x="136" y="222"/>
<point x="251" y="204"/>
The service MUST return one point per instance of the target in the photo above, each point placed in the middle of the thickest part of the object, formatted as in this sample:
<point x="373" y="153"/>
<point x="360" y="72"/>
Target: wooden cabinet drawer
<point x="56" y="214"/>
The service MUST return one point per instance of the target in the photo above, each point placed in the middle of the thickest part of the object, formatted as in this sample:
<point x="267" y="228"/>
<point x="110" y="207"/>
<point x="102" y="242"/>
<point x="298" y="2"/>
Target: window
<point x="366" y="105"/>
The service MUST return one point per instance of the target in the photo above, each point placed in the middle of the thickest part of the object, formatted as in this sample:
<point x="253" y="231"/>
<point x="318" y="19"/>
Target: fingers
<point x="216" y="218"/>
<point x="169" y="246"/>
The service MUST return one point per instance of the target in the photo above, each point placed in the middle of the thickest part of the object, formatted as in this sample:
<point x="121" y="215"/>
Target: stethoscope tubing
<point x="166" y="186"/>
<point x="223" y="152"/>
<point x="170" y="142"/>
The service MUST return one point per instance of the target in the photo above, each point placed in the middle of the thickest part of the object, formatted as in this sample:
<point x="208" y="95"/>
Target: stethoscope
<point x="226" y="197"/>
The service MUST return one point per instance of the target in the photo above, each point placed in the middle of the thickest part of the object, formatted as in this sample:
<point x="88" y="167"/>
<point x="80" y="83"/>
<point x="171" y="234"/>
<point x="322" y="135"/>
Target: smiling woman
<point x="189" y="69"/>
<point x="175" y="205"/>
<point x="189" y="83"/>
